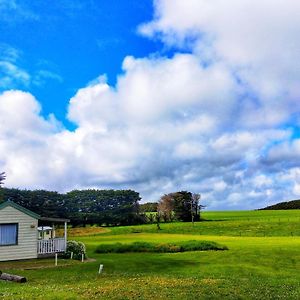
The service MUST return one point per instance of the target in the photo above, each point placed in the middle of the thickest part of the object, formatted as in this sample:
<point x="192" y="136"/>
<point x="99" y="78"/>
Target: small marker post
<point x="82" y="257"/>
<point x="71" y="255"/>
<point x="100" y="269"/>
<point x="55" y="259"/>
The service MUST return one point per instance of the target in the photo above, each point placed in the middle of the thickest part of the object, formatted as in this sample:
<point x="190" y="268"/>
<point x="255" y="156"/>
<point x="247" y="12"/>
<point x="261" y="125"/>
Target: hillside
<point x="294" y="204"/>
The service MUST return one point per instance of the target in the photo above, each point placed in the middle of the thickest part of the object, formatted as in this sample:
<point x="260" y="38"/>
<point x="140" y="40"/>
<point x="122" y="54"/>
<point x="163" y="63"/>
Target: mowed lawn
<point x="255" y="267"/>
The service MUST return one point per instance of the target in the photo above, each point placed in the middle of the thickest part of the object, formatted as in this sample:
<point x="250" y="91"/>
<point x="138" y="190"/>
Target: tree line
<point x="101" y="207"/>
<point x="105" y="207"/>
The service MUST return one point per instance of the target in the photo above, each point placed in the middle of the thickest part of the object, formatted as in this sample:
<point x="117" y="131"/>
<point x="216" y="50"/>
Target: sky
<point x="156" y="96"/>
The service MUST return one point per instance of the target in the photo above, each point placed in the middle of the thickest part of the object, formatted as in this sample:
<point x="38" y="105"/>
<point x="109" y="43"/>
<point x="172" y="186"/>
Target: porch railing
<point x="51" y="246"/>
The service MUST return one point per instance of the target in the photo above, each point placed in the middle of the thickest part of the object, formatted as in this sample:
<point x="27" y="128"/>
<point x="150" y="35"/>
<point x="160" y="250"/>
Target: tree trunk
<point x="10" y="277"/>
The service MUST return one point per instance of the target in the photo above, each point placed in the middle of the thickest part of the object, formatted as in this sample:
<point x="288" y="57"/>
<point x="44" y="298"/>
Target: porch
<point x="47" y="242"/>
<point x="51" y="246"/>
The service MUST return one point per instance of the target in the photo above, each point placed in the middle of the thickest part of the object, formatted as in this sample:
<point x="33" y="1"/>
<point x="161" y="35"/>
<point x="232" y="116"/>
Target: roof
<point x="30" y="213"/>
<point x="20" y="208"/>
<point x="53" y="219"/>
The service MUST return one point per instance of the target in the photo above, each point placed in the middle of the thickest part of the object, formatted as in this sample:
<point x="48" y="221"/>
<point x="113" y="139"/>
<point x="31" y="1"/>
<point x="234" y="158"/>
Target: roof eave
<point x="48" y="219"/>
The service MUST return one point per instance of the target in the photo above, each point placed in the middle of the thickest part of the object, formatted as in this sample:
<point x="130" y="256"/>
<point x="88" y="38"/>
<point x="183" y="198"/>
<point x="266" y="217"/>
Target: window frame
<point x="17" y="234"/>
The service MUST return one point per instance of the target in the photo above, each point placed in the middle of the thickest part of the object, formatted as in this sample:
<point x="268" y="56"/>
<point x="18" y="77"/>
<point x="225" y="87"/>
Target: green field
<point x="230" y="223"/>
<point x="263" y="262"/>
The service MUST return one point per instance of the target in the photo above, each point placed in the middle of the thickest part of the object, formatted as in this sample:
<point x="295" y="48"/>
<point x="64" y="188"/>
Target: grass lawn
<point x="254" y="267"/>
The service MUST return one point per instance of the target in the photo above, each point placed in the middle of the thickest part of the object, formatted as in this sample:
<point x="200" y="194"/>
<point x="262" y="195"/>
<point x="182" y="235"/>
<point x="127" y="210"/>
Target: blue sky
<point x="73" y="42"/>
<point x="156" y="96"/>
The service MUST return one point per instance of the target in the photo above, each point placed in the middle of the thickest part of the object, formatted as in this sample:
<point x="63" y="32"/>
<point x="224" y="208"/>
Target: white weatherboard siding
<point x="27" y="235"/>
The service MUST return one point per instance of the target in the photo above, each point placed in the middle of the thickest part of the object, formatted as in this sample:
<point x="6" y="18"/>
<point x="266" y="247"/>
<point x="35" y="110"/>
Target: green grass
<point x="259" y="215"/>
<point x="184" y="246"/>
<point x="240" y="223"/>
<point x="254" y="267"/>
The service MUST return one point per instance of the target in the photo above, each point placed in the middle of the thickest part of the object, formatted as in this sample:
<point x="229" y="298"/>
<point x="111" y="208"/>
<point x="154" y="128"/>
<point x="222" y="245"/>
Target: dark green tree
<point x="44" y="203"/>
<point x="102" y="207"/>
<point x="182" y="205"/>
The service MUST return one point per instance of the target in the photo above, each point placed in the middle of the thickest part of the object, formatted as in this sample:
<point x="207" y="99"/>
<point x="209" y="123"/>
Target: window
<point x="8" y="234"/>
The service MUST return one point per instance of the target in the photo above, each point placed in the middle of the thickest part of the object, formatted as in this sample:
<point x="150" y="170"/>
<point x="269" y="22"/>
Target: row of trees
<point x="105" y="207"/>
<point x="102" y="207"/>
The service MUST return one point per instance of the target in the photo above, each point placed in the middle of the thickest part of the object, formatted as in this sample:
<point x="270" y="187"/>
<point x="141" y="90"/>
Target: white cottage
<point x="19" y="235"/>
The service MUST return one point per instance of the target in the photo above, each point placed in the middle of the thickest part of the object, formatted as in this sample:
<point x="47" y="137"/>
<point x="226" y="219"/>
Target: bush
<point x="160" y="248"/>
<point x="78" y="248"/>
<point x="201" y="246"/>
<point x="167" y="248"/>
<point x="122" y="248"/>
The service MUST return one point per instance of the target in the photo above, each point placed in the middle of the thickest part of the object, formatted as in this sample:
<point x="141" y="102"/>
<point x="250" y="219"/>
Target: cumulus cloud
<point x="215" y="119"/>
<point x="255" y="39"/>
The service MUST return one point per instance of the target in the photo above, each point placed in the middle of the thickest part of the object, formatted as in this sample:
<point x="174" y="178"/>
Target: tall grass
<point x="160" y="247"/>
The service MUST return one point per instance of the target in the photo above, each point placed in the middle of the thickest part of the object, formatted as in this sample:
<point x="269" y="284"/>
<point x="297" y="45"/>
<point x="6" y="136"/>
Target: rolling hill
<point x="294" y="204"/>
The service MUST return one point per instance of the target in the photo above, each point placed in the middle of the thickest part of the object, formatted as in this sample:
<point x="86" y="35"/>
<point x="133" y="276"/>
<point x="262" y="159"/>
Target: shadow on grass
<point x="146" y="262"/>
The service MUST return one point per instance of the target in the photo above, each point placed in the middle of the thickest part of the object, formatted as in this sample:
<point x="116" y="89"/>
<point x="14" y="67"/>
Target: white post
<point x="71" y="255"/>
<point x="55" y="259"/>
<point x="53" y="231"/>
<point x="82" y="257"/>
<point x="65" y="236"/>
<point x="100" y="269"/>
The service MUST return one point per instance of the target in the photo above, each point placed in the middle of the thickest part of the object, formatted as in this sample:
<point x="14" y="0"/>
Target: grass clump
<point x="194" y="245"/>
<point x="160" y="248"/>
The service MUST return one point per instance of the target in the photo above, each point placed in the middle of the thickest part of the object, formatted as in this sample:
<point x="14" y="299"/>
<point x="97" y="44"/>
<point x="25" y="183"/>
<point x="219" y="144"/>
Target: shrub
<point x="194" y="245"/>
<point x="160" y="248"/>
<point x="78" y="248"/>
<point x="167" y="248"/>
<point x="122" y="248"/>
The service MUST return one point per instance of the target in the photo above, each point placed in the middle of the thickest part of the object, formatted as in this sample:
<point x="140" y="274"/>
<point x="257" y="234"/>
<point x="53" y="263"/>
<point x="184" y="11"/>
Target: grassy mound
<point x="160" y="248"/>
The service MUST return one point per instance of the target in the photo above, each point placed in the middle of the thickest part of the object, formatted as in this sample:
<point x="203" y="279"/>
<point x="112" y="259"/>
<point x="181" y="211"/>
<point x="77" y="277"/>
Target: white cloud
<point x="255" y="39"/>
<point x="11" y="75"/>
<point x="215" y="121"/>
<point x="220" y="186"/>
<point x="41" y="76"/>
<point x="262" y="181"/>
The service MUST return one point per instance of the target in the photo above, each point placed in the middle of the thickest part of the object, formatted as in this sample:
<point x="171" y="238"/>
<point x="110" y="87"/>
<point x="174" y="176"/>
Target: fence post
<point x="100" y="269"/>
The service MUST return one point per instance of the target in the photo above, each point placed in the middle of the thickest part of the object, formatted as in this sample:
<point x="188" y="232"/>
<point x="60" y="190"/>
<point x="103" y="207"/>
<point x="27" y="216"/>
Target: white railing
<point x="51" y="246"/>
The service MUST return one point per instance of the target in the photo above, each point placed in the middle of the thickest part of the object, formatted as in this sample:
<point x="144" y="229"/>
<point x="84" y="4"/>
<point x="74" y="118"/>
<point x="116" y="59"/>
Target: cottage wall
<point x="27" y="235"/>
